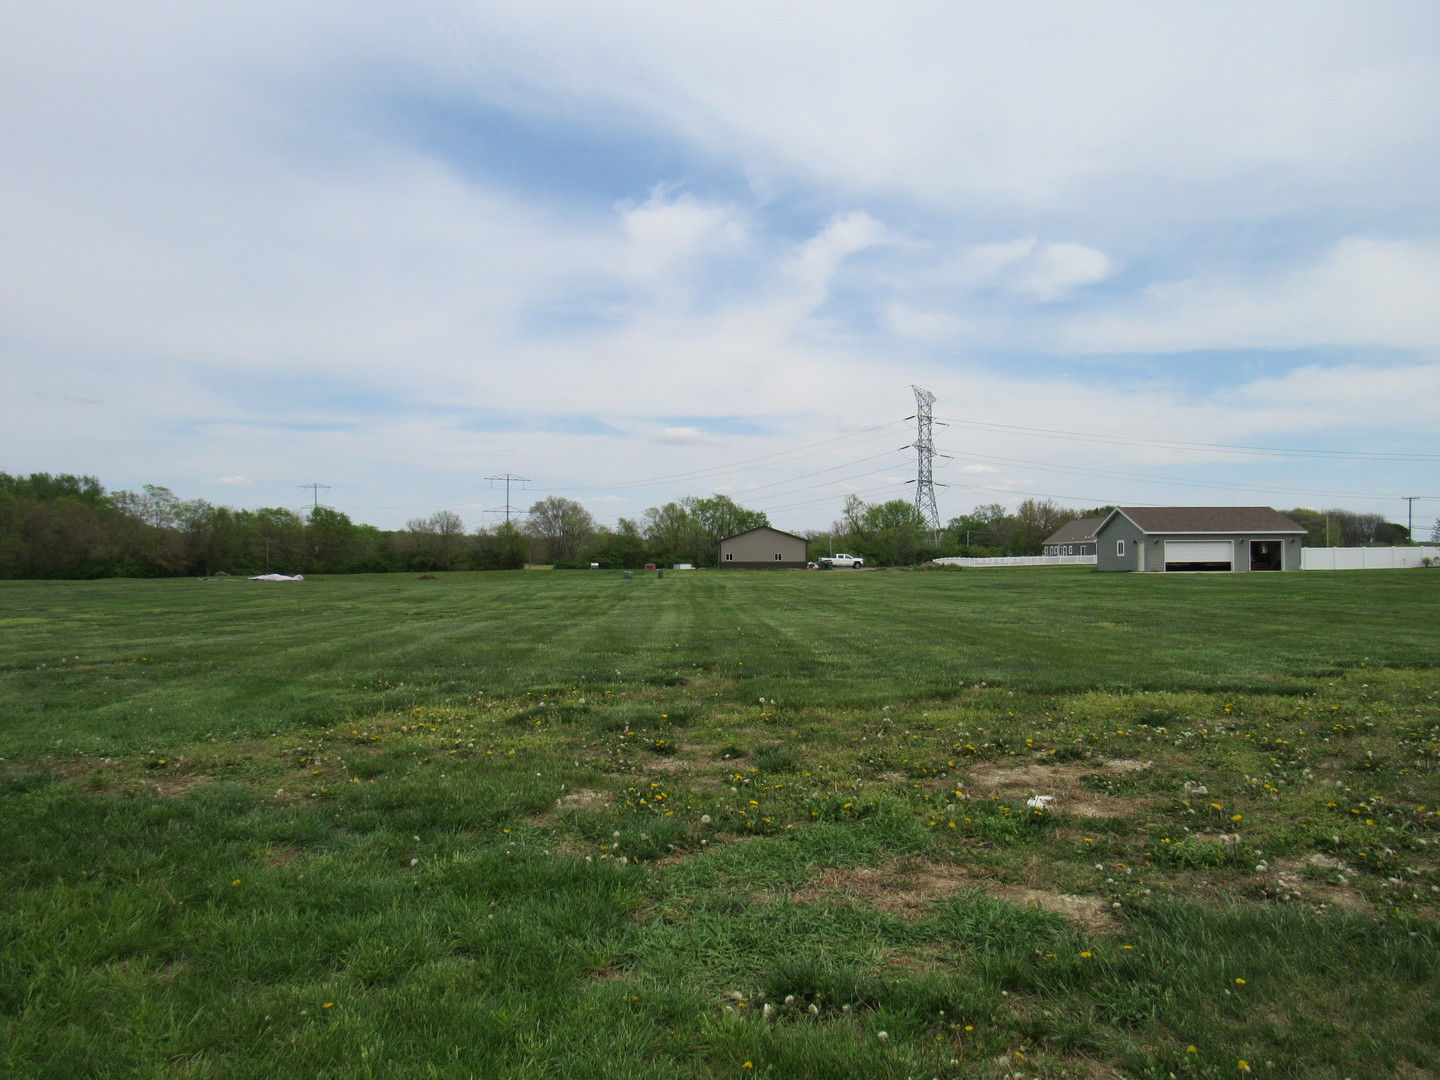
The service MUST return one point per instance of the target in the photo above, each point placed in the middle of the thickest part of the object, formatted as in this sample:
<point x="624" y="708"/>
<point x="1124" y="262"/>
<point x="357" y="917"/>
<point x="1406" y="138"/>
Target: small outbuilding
<point x="1161" y="539"/>
<point x="764" y="549"/>
<point x="1074" y="537"/>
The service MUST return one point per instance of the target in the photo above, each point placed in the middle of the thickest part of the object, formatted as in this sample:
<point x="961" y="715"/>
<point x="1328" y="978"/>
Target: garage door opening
<point x="1190" y="556"/>
<point x="1265" y="554"/>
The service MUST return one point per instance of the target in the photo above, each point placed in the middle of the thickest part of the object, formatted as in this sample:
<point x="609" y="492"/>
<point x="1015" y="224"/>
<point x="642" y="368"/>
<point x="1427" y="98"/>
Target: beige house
<point x="764" y="549"/>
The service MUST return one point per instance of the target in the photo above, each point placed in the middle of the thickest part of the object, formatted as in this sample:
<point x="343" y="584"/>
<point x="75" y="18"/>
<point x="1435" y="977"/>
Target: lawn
<point x="722" y="824"/>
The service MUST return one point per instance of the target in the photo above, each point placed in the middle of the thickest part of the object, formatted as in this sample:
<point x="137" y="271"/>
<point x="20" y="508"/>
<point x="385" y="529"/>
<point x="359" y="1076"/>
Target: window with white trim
<point x="729" y="556"/>
<point x="779" y="557"/>
<point x="1119" y="547"/>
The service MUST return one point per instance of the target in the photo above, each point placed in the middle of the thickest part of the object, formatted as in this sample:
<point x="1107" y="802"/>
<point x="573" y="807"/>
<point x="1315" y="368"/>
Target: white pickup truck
<point x="852" y="561"/>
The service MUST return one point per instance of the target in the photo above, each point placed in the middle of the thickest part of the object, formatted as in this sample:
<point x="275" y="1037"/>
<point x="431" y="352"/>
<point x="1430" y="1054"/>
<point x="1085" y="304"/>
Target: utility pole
<point x="315" y="493"/>
<point x="508" y="480"/>
<point x="925" y="450"/>
<point x="1410" y="524"/>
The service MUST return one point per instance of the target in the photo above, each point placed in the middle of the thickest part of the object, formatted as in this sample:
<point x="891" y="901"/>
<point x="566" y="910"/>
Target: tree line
<point x="68" y="526"/>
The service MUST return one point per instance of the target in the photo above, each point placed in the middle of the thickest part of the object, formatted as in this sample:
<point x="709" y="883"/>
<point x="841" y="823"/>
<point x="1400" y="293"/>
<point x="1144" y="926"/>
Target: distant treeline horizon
<point x="64" y="525"/>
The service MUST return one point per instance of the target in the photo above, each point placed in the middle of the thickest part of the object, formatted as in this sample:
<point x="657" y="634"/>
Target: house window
<point x="729" y="556"/>
<point x="1119" y="547"/>
<point x="779" y="558"/>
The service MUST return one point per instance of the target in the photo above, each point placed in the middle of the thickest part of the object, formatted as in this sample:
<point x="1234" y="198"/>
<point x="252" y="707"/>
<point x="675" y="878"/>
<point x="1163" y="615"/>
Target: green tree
<point x="983" y="531"/>
<point x="504" y="547"/>
<point x="620" y="548"/>
<point x="331" y="540"/>
<point x="436" y="542"/>
<point x="893" y="533"/>
<point x="561" y="527"/>
<point x="1035" y="519"/>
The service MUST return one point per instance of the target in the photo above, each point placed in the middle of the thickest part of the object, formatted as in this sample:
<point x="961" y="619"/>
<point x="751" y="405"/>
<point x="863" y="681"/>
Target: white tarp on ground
<point x="277" y="577"/>
<point x="1366" y="558"/>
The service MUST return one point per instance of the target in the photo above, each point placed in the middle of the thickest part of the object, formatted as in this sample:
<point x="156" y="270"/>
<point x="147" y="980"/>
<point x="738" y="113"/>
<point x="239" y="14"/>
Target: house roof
<point x="1075" y="532"/>
<point x="1207" y="519"/>
<point x="766" y="528"/>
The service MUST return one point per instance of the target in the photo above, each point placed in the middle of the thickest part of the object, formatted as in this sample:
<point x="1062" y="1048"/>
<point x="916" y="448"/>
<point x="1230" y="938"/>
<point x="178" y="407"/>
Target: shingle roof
<point x="765" y="528"/>
<point x="1079" y="531"/>
<point x="1210" y="519"/>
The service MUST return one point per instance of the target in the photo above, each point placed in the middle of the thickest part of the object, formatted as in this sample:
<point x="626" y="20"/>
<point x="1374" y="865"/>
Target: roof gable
<point x="1079" y="531"/>
<point x="769" y="529"/>
<point x="1206" y="519"/>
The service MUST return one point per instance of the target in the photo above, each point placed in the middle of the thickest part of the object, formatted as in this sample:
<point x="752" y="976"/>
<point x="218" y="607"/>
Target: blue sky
<point x="633" y="252"/>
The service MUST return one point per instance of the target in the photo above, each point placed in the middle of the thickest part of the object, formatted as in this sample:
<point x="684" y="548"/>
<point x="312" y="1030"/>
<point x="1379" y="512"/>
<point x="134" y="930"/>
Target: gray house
<point x="1156" y="539"/>
<point x="764" y="549"/>
<point x="1073" y="538"/>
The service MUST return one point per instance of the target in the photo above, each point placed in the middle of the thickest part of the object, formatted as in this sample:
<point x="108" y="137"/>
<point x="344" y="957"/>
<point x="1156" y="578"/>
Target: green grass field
<point x="722" y="825"/>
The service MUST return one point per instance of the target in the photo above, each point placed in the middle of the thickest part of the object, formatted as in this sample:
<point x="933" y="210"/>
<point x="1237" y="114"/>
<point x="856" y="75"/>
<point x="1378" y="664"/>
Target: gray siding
<point x="1118" y="529"/>
<point x="1147" y="553"/>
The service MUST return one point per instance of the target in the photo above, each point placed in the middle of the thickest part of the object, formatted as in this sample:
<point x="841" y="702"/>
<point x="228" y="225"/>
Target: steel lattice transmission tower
<point x="925" y="450"/>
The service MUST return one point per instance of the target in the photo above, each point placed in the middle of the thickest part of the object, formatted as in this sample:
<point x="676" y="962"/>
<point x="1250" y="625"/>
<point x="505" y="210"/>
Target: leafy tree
<point x="719" y="516"/>
<point x="620" y="548"/>
<point x="155" y="506"/>
<point x="893" y="533"/>
<point x="562" y="528"/>
<point x="331" y="539"/>
<point x="1313" y="521"/>
<point x="504" y="547"/>
<point x="1391" y="534"/>
<point x="272" y="538"/>
<point x="1036" y="519"/>
<point x="1351" y="529"/>
<point x="672" y="535"/>
<point x="984" y="530"/>
<point x="436" y="542"/>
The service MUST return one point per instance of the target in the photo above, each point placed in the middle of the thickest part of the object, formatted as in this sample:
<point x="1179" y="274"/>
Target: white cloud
<point x="235" y="481"/>
<point x="1362" y="291"/>
<point x="1055" y="269"/>
<point x="623" y="214"/>
<point x="669" y="234"/>
<point x="681" y="436"/>
<point x="816" y="263"/>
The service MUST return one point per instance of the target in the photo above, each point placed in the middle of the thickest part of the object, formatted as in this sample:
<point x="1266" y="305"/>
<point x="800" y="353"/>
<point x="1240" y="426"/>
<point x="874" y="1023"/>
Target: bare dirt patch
<point x="581" y="799"/>
<point x="908" y="889"/>
<point x="1288" y="879"/>
<point x="1062" y="781"/>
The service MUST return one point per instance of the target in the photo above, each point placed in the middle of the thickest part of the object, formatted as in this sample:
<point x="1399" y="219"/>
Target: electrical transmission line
<point x="508" y="479"/>
<point x="314" y="490"/>
<point x="925" y="451"/>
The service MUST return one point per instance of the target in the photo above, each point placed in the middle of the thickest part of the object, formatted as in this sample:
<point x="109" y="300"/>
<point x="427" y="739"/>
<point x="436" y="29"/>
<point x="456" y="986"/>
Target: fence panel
<point x="1367" y="558"/>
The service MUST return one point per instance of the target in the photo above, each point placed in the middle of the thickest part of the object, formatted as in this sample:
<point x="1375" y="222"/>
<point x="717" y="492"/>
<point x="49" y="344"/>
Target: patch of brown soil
<point x="582" y="798"/>
<point x="1063" y="781"/>
<point x="166" y="785"/>
<point x="1286" y="880"/>
<point x="908" y="888"/>
<point x="674" y="764"/>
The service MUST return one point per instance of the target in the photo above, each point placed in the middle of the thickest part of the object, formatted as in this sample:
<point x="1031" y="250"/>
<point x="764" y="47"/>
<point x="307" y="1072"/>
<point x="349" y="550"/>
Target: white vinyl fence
<point x="1367" y="558"/>
<point x="1020" y="560"/>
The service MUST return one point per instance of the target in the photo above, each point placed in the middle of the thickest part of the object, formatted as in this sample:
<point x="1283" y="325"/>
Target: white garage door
<point x="1199" y="551"/>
